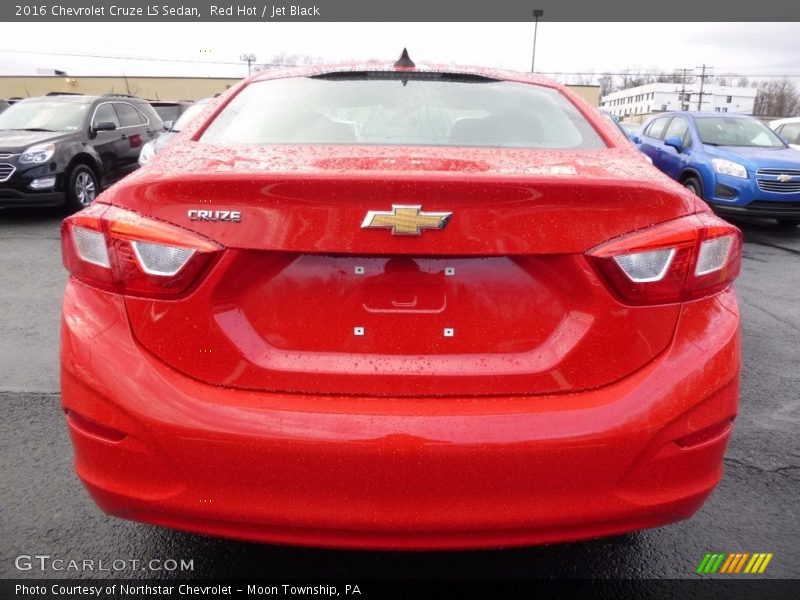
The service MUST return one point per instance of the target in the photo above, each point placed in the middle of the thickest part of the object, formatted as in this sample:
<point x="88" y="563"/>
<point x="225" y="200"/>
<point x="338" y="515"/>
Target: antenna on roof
<point x="404" y="62"/>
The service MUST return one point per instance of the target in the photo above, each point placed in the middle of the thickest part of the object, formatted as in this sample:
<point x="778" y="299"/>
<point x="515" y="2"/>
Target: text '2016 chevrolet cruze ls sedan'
<point x="399" y="307"/>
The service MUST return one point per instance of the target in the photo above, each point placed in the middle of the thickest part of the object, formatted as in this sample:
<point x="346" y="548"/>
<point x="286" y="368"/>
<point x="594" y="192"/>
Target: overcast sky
<point x="754" y="49"/>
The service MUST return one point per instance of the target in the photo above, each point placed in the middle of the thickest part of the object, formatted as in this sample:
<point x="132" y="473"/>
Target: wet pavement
<point x="45" y="510"/>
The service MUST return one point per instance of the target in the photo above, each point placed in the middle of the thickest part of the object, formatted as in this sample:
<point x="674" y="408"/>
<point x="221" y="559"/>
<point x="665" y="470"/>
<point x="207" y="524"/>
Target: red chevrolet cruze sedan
<point x="387" y="306"/>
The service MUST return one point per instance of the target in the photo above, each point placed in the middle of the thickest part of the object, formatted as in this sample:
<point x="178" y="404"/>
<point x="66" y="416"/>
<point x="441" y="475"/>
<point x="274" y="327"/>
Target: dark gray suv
<point x="63" y="149"/>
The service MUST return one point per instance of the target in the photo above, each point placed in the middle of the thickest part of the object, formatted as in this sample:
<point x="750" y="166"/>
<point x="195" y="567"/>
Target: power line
<point x="594" y="73"/>
<point x="666" y="73"/>
<point x="116" y="57"/>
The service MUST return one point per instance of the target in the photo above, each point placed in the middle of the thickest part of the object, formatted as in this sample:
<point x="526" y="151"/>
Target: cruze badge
<point x="228" y="216"/>
<point x="405" y="219"/>
<point x="783" y="178"/>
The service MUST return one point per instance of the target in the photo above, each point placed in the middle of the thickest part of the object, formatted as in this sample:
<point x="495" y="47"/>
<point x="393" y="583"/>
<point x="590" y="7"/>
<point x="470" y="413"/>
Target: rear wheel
<point x="82" y="187"/>
<point x="788" y="222"/>
<point x="693" y="184"/>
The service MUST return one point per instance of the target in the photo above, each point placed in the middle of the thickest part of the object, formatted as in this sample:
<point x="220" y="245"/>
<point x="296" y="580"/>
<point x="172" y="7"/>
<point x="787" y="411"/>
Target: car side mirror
<point x="636" y="139"/>
<point x="675" y="142"/>
<point x="104" y="126"/>
<point x="168" y="125"/>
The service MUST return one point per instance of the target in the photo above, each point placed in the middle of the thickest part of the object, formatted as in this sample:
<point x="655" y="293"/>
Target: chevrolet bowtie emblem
<point x="405" y="219"/>
<point x="783" y="178"/>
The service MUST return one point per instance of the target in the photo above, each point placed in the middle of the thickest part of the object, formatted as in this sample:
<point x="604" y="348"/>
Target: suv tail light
<point x="685" y="259"/>
<point x="121" y="251"/>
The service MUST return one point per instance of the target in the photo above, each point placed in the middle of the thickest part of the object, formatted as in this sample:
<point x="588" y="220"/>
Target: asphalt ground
<point x="44" y="510"/>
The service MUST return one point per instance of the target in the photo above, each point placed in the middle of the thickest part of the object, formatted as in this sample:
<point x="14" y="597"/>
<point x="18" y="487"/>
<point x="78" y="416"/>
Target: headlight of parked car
<point x="726" y="167"/>
<point x="148" y="152"/>
<point x="38" y="154"/>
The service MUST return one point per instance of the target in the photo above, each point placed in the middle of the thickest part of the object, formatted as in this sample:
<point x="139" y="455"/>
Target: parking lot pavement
<point x="45" y="510"/>
<point x="31" y="283"/>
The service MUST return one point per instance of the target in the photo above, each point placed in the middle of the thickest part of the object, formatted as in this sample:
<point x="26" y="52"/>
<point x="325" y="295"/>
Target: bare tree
<point x="639" y="77"/>
<point x="661" y="77"/>
<point x="293" y="60"/>
<point x="583" y="78"/>
<point x="606" y="82"/>
<point x="680" y="76"/>
<point x="777" y="98"/>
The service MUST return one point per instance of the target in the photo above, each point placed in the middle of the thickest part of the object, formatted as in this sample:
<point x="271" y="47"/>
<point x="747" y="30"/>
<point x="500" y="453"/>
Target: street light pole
<point x="536" y="14"/>
<point x="249" y="59"/>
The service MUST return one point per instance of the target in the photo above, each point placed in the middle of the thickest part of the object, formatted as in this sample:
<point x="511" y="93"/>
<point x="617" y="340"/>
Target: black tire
<point x="693" y="185"/>
<point x="82" y="187"/>
<point x="788" y="222"/>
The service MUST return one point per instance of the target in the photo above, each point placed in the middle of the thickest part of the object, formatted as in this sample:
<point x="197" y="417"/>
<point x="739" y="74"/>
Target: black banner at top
<point x="398" y="11"/>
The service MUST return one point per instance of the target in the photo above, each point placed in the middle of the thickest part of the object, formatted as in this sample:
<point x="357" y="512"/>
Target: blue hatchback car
<point x="734" y="162"/>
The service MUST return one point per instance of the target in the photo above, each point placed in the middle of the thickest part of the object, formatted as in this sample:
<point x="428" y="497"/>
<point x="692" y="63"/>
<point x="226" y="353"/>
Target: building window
<point x="716" y="109"/>
<point x="663" y="107"/>
<point x="648" y="108"/>
<point x="724" y="109"/>
<point x="729" y="100"/>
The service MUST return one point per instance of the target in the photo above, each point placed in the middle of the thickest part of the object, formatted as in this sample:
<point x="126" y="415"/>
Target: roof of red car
<point x="389" y="67"/>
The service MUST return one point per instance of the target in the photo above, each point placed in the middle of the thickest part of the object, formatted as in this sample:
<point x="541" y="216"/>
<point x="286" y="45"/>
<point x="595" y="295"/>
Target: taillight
<point x="124" y="252"/>
<point x="684" y="259"/>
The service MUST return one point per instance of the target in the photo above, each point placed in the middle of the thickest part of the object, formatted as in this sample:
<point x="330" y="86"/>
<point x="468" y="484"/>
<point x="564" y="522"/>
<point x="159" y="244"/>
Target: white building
<point x="636" y="104"/>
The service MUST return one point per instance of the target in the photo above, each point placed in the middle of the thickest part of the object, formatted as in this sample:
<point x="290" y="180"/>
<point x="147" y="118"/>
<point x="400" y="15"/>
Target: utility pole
<point x="249" y="59"/>
<point x="702" y="82"/>
<point x="683" y="86"/>
<point x="536" y="14"/>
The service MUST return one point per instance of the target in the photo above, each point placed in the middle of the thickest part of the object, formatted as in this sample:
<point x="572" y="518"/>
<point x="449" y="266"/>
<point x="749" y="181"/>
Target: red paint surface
<point x="245" y="406"/>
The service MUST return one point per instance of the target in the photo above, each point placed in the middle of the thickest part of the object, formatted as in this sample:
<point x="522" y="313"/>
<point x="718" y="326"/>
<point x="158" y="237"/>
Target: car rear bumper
<point x="156" y="446"/>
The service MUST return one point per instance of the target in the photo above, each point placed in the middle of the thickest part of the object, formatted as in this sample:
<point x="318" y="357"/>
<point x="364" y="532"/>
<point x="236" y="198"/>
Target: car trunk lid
<point x="499" y="301"/>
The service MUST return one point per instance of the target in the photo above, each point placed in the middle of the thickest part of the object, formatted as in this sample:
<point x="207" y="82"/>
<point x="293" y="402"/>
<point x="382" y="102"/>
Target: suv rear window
<point x="128" y="115"/>
<point x="416" y="109"/>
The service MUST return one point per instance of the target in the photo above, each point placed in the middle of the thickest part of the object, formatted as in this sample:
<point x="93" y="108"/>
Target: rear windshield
<point x="402" y="109"/>
<point x="733" y="131"/>
<point x="168" y="113"/>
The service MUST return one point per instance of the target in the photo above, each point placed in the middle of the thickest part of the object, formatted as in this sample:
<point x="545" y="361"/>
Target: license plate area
<point x="402" y="305"/>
